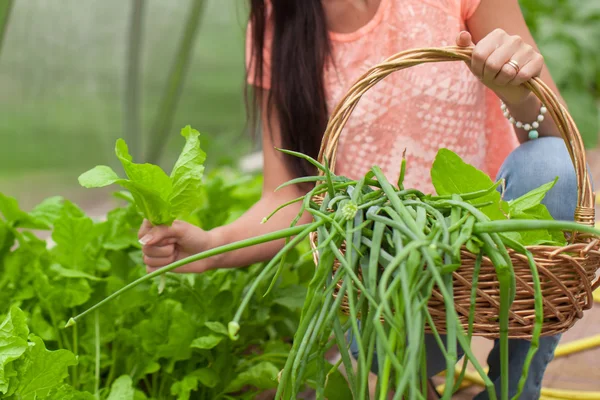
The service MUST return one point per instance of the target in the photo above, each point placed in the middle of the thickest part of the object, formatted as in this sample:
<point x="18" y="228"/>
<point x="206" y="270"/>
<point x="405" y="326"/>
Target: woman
<point x="303" y="56"/>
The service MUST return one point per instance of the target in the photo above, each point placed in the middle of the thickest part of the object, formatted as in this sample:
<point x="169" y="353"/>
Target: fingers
<point x="158" y="262"/>
<point x="158" y="244"/>
<point x="159" y="251"/>
<point x="159" y="235"/>
<point x="144" y="229"/>
<point x="464" y="39"/>
<point x="531" y="70"/>
<point x="496" y="61"/>
<point x="491" y="57"/>
<point x="483" y="50"/>
<point x="156" y="256"/>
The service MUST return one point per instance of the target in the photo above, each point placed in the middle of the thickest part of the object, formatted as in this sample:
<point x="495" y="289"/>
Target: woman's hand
<point x="503" y="62"/>
<point x="163" y="245"/>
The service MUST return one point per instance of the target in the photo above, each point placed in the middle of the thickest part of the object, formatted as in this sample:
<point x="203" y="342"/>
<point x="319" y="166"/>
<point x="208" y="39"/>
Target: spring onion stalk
<point x="539" y="313"/>
<point x="472" y="303"/>
<point x="206" y="254"/>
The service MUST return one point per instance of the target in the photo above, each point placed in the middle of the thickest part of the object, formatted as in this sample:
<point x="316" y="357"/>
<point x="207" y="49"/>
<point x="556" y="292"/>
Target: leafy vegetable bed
<point x="172" y="345"/>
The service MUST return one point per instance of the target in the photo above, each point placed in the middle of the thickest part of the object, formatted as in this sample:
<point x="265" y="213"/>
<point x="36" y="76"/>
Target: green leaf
<point x="261" y="376"/>
<point x="122" y="389"/>
<point x="206" y="342"/>
<point x="122" y="225"/>
<point x="182" y="389"/>
<point x="208" y="377"/>
<point x="291" y="297"/>
<point x="99" y="176"/>
<point x="73" y="235"/>
<point x="168" y="333"/>
<point x="217" y="327"/>
<point x="148" y="184"/>
<point x="14" y="216"/>
<point x="451" y="175"/>
<point x="154" y="208"/>
<point x="40" y="326"/>
<point x="66" y="392"/>
<point x="187" y="175"/>
<point x="48" y="211"/>
<point x="9" y="208"/>
<point x="149" y="176"/>
<point x="530" y="200"/>
<point x="13" y="344"/>
<point x="539" y="237"/>
<point x="69" y="292"/>
<point x="139" y="395"/>
<point x="72" y="273"/>
<point x="336" y="387"/>
<point x="7" y="238"/>
<point x="40" y="371"/>
<point x="151" y="368"/>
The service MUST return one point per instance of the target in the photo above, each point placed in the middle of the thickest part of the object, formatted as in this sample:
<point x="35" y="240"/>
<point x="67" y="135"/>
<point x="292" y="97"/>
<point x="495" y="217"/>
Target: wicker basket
<point x="568" y="274"/>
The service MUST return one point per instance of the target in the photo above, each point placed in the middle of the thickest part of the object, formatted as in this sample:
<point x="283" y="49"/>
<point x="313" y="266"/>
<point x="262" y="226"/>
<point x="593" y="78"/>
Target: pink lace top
<point x="423" y="108"/>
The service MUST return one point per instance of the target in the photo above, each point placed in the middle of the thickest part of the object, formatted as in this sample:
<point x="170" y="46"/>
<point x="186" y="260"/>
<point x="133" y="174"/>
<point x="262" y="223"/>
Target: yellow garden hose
<point x="548" y="394"/>
<point x="575" y="346"/>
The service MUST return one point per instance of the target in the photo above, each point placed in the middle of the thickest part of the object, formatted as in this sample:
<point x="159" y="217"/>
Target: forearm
<point x="250" y="225"/>
<point x="527" y="112"/>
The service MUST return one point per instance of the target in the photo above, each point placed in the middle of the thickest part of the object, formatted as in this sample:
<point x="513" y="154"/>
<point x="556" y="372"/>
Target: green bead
<point x="533" y="134"/>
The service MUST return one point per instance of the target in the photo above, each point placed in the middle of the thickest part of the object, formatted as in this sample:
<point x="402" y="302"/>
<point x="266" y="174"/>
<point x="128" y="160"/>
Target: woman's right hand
<point x="163" y="245"/>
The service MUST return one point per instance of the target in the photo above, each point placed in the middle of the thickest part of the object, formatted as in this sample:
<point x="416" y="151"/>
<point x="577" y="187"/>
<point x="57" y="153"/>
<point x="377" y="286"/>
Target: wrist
<point x="214" y="238"/>
<point x="530" y="100"/>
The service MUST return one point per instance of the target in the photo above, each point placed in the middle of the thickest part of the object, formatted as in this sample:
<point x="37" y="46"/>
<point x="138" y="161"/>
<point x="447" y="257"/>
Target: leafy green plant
<point x="148" y="345"/>
<point x="160" y="198"/>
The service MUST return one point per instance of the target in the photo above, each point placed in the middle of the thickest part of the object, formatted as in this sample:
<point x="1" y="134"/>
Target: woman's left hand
<point x="503" y="62"/>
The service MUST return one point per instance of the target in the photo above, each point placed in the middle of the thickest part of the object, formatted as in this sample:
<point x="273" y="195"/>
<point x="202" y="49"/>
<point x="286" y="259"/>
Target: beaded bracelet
<point x="531" y="129"/>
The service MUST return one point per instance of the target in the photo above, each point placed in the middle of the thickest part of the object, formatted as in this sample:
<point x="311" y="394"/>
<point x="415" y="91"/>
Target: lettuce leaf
<point x="13" y="344"/>
<point x="41" y="371"/>
<point x="122" y="389"/>
<point x="186" y="176"/>
<point x="159" y="197"/>
<point x="451" y="175"/>
<point x="28" y="371"/>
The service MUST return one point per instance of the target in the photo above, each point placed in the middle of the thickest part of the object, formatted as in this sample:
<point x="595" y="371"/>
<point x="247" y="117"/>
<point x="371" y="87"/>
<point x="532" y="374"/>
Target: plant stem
<point x="281" y="234"/>
<point x="5" y="10"/>
<point x="113" y="366"/>
<point x="168" y="104"/>
<point x="76" y="352"/>
<point x="97" y="350"/>
<point x="516" y="225"/>
<point x="131" y="107"/>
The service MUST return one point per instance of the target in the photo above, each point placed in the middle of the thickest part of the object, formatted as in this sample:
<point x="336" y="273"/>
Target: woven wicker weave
<point x="568" y="275"/>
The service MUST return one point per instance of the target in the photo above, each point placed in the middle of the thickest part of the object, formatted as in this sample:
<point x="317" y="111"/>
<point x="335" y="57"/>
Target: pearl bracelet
<point x="531" y="129"/>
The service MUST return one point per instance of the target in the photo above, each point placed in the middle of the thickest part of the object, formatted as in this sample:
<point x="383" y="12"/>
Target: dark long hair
<point x="299" y="51"/>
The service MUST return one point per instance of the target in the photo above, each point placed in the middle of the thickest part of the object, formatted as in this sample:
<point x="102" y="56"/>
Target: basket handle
<point x="584" y="213"/>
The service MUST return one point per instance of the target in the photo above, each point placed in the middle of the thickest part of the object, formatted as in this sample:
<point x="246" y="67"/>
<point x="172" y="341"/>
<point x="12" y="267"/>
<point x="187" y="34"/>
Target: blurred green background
<point x="74" y="72"/>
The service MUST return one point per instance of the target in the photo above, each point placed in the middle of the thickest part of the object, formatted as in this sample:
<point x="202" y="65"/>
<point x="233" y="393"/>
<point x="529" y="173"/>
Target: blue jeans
<point x="531" y="165"/>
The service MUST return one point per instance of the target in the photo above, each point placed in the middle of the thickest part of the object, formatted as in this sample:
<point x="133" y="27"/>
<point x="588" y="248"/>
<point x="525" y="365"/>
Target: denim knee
<point x="537" y="162"/>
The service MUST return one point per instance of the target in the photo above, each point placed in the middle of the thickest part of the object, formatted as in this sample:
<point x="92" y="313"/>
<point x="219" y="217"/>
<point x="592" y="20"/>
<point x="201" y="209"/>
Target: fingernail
<point x="145" y="239"/>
